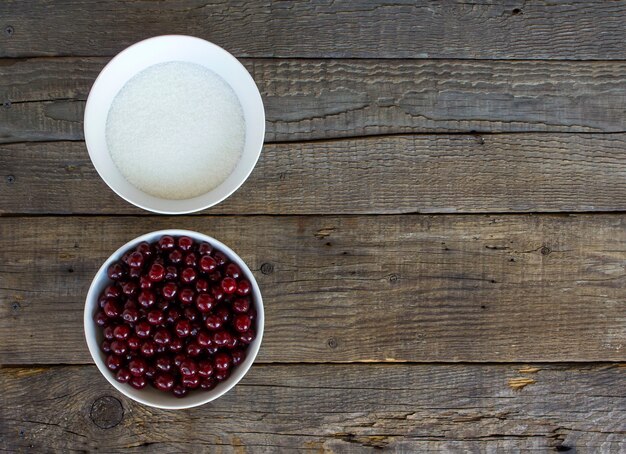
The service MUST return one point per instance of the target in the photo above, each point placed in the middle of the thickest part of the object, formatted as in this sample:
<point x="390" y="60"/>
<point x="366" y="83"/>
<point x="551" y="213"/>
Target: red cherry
<point x="241" y="305"/>
<point x="118" y="347"/>
<point x="221" y="375"/>
<point x="107" y="332"/>
<point x="164" y="382"/>
<point x="133" y="343"/>
<point x="186" y="296"/>
<point x="156" y="317"/>
<point x="164" y="363"/>
<point x="134" y="273"/>
<point x="175" y="256"/>
<point x="137" y="367"/>
<point x="232" y="270"/>
<point x="176" y="345"/>
<point x="173" y="314"/>
<point x="221" y="338"/>
<point x="243" y="288"/>
<point x="193" y="349"/>
<point x="205" y="302"/>
<point x="135" y="260"/>
<point x="129" y="288"/>
<point x="221" y="361"/>
<point x="183" y="327"/>
<point x="169" y="290"/>
<point x="157" y="272"/>
<point x="146" y="298"/>
<point x="188" y="275"/>
<point x="229" y="285"/>
<point x="213" y="322"/>
<point x="205" y="368"/>
<point x="138" y="382"/>
<point x="121" y="332"/>
<point x="179" y="390"/>
<point x="224" y="314"/>
<point x="106" y="346"/>
<point x="145" y="282"/>
<point x="142" y="329"/>
<point x="148" y="348"/>
<point x="162" y="336"/>
<point x="208" y="264"/>
<point x="166" y="243"/>
<point x="247" y="337"/>
<point x="144" y="248"/>
<point x="171" y="273"/>
<point x="204" y="339"/>
<point x="242" y="322"/>
<point x="190" y="381"/>
<point x="112" y="291"/>
<point x="178" y="360"/>
<point x="116" y="272"/>
<point x="188" y="367"/>
<point x="101" y="319"/>
<point x="185" y="243"/>
<point x="112" y="308"/>
<point x="190" y="259"/>
<point x="113" y="362"/>
<point x="207" y="384"/>
<point x="202" y="286"/>
<point x="123" y="375"/>
<point x="220" y="258"/>
<point x="205" y="248"/>
<point x="238" y="356"/>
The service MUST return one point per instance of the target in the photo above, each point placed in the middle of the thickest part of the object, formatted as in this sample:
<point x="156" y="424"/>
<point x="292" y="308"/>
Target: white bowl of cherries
<point x="174" y="319"/>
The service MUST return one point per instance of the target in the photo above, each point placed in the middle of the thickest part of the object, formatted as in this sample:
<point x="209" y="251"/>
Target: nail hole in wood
<point x="70" y="270"/>
<point x="267" y="268"/>
<point x="6" y="104"/>
<point x="10" y="179"/>
<point x="16" y="306"/>
<point x="516" y="11"/>
<point x="562" y="448"/>
<point x="8" y="31"/>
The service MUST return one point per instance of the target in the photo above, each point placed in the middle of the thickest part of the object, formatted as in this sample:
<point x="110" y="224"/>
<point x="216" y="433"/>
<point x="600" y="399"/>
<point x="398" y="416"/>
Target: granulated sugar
<point x="176" y="130"/>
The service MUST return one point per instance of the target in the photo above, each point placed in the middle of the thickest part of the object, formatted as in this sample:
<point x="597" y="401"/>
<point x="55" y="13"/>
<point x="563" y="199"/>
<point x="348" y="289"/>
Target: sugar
<point x="176" y="130"/>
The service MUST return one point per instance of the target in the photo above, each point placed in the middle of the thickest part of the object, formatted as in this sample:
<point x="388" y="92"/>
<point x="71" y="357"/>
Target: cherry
<point x="179" y="390"/>
<point x="118" y="347"/>
<point x="113" y="362"/>
<point x="162" y="336"/>
<point x="106" y="346"/>
<point x="238" y="356"/>
<point x="241" y="305"/>
<point x="185" y="243"/>
<point x="145" y="249"/>
<point x="247" y="337"/>
<point x="135" y="260"/>
<point x="178" y="360"/>
<point x="101" y="318"/>
<point x="220" y="258"/>
<point x="205" y="368"/>
<point x="112" y="308"/>
<point x="175" y="256"/>
<point x="176" y="345"/>
<point x="190" y="259"/>
<point x="145" y="282"/>
<point x="108" y="333"/>
<point x="202" y="286"/>
<point x="205" y="302"/>
<point x="205" y="248"/>
<point x="213" y="322"/>
<point x="191" y="313"/>
<point x="156" y="317"/>
<point x="183" y="327"/>
<point x="137" y="367"/>
<point x="221" y="375"/>
<point x="229" y="285"/>
<point x="134" y="273"/>
<point x="243" y="287"/>
<point x="157" y="272"/>
<point x="166" y="243"/>
<point x="142" y="329"/>
<point x="207" y="384"/>
<point x="164" y="381"/>
<point x="116" y="272"/>
<point x="193" y="349"/>
<point x="242" y="322"/>
<point x="133" y="343"/>
<point x="164" y="363"/>
<point x="231" y="342"/>
<point x="171" y="273"/>
<point x="138" y="382"/>
<point x="188" y="275"/>
<point x="186" y="296"/>
<point x="173" y="315"/>
<point x="188" y="367"/>
<point x="150" y="371"/>
<point x="190" y="381"/>
<point x="148" y="348"/>
<point x="130" y="315"/>
<point x="121" y="332"/>
<point x="221" y="361"/>
<point x="169" y="290"/>
<point x="224" y="314"/>
<point x="204" y="339"/>
<point x="215" y="277"/>
<point x="123" y="375"/>
<point x="129" y="288"/>
<point x="208" y="264"/>
<point x="232" y="270"/>
<point x="112" y="291"/>
<point x="221" y="338"/>
<point x="146" y="298"/>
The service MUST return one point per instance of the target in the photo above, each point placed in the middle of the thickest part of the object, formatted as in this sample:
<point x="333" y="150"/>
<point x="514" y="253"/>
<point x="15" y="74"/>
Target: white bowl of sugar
<point x="174" y="124"/>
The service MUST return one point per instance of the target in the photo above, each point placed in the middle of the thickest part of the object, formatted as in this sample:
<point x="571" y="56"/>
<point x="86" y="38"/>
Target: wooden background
<point x="437" y="222"/>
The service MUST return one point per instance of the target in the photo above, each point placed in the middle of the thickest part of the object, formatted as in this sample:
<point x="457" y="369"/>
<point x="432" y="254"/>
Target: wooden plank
<point x="328" y="408"/>
<point x="320" y="99"/>
<point x="331" y="29"/>
<point x="395" y="174"/>
<point x="336" y="289"/>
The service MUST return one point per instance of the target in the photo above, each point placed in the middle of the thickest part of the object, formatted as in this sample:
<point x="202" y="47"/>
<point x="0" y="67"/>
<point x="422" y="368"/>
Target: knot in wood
<point x="267" y="268"/>
<point x="545" y="250"/>
<point x="106" y="412"/>
<point x="393" y="278"/>
<point x="332" y="343"/>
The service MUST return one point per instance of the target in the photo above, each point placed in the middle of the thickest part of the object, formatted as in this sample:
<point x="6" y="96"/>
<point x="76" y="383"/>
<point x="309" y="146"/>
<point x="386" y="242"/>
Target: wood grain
<point x="331" y="29"/>
<point x="321" y="99"/>
<point x="340" y="289"/>
<point x="328" y="408"/>
<point x="395" y="174"/>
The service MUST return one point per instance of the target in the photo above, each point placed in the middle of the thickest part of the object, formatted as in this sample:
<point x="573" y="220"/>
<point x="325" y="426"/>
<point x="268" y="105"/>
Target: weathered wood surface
<point x="320" y="99"/>
<point x="357" y="28"/>
<point x="394" y="174"/>
<point x="340" y="289"/>
<point x="329" y="408"/>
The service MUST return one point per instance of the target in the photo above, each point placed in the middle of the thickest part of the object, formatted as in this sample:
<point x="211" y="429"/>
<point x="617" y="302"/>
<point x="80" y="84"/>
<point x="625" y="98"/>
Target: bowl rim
<point x="91" y="299"/>
<point x="110" y="66"/>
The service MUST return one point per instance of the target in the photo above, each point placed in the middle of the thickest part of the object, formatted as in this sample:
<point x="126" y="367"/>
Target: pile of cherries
<point x="178" y="315"/>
